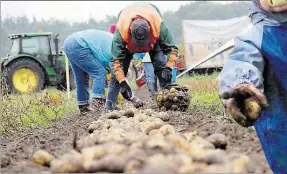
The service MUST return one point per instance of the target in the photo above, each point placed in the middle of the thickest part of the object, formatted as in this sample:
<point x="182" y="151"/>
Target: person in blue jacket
<point x="151" y="79"/>
<point x="257" y="68"/>
<point x="89" y="54"/>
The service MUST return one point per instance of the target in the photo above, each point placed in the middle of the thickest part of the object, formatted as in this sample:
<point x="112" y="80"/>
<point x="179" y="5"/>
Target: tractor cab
<point x="31" y="63"/>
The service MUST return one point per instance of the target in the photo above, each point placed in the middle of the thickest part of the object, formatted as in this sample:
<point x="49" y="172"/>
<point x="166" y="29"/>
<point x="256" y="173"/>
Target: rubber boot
<point x="152" y="90"/>
<point x="84" y="109"/>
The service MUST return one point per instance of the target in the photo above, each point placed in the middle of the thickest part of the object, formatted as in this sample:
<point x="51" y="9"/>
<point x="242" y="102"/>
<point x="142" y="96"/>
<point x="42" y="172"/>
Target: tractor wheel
<point x="24" y="76"/>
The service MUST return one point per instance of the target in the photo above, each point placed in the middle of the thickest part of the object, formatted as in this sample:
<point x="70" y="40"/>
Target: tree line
<point x="200" y="10"/>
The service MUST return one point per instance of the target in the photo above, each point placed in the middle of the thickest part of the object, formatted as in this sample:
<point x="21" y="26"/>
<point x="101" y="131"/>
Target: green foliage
<point x="193" y="10"/>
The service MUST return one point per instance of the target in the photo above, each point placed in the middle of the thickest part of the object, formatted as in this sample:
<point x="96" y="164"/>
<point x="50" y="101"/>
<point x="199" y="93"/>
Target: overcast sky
<point x="75" y="10"/>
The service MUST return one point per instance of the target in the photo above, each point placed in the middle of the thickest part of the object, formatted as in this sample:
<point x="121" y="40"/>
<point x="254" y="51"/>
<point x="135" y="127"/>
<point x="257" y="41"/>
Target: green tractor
<point x="31" y="64"/>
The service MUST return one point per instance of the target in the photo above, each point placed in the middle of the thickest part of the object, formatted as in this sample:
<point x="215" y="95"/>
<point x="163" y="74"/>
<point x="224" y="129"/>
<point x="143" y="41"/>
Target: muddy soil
<point x="17" y="150"/>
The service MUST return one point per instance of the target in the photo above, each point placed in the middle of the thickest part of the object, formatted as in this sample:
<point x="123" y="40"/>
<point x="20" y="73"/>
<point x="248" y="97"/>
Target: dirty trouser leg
<point x="159" y="63"/>
<point x="81" y="77"/>
<point x="150" y="77"/>
<point x="114" y="86"/>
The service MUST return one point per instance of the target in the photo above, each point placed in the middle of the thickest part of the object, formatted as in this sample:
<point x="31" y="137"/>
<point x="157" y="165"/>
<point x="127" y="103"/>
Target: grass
<point x="33" y="110"/>
<point x="204" y="92"/>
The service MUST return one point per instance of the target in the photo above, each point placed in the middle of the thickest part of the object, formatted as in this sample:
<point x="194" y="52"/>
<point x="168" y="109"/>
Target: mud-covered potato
<point x="218" y="140"/>
<point x="150" y="126"/>
<point x="177" y="141"/>
<point x="108" y="163"/>
<point x="113" y="115"/>
<point x="71" y="162"/>
<point x="180" y="159"/>
<point x="129" y="113"/>
<point x="115" y="148"/>
<point x="93" y="153"/>
<point x="42" y="157"/>
<point x="252" y="109"/>
<point x="92" y="127"/>
<point x="154" y="132"/>
<point x="156" y="144"/>
<point x="190" y="135"/>
<point x="200" y="142"/>
<point x="158" y="164"/>
<point x="193" y="168"/>
<point x="174" y="107"/>
<point x="167" y="130"/>
<point x="133" y="166"/>
<point x="148" y="112"/>
<point x="240" y="164"/>
<point x="215" y="157"/>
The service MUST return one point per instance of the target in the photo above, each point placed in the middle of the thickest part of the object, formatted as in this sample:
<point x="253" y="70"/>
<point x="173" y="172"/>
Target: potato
<point x="215" y="157"/>
<point x="157" y="144"/>
<point x="71" y="162"/>
<point x="171" y="96"/>
<point x="190" y="135"/>
<point x="108" y="163"/>
<point x="166" y="130"/>
<point x="115" y="148"/>
<point x="180" y="159"/>
<point x="147" y="127"/>
<point x="173" y="90"/>
<point x="42" y="157"/>
<point x="159" y="98"/>
<point x="133" y="166"/>
<point x="251" y="108"/>
<point x="113" y="115"/>
<point x="92" y="127"/>
<point x="154" y="132"/>
<point x="148" y="112"/>
<point x="178" y="141"/>
<point x="175" y="99"/>
<point x="240" y="165"/>
<point x="174" y="107"/>
<point x="218" y="140"/>
<point x="129" y="113"/>
<point x="158" y="164"/>
<point x="163" y="108"/>
<point x="193" y="168"/>
<point x="200" y="142"/>
<point x="164" y="98"/>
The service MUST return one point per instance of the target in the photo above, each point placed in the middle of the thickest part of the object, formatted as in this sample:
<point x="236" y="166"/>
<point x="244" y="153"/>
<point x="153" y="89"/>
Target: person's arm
<point x="118" y="54"/>
<point x="282" y="7"/>
<point x="242" y="75"/>
<point x="168" y="46"/>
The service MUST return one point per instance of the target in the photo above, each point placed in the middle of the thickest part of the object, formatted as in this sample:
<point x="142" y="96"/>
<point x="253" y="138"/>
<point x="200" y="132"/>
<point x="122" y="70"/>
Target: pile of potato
<point x="175" y="99"/>
<point x="135" y="141"/>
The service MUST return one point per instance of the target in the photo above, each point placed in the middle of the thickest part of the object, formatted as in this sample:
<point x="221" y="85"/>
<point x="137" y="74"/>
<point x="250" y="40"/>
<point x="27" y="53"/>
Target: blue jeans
<point x="85" y="64"/>
<point x="151" y="79"/>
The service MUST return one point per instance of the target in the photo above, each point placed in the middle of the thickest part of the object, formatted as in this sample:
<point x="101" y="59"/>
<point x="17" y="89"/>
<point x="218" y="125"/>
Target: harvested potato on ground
<point x="218" y="140"/>
<point x="178" y="141"/>
<point x="71" y="162"/>
<point x="180" y="159"/>
<point x="113" y="115"/>
<point x="150" y="126"/>
<point x="92" y="127"/>
<point x="129" y="113"/>
<point x="115" y="148"/>
<point x="92" y="153"/>
<point x="193" y="168"/>
<point x="155" y="144"/>
<point x="190" y="135"/>
<point x="42" y="157"/>
<point x="154" y="132"/>
<point x="240" y="165"/>
<point x="158" y="164"/>
<point x="167" y="130"/>
<point x="198" y="141"/>
<point x="215" y="157"/>
<point x="108" y="163"/>
<point x="133" y="166"/>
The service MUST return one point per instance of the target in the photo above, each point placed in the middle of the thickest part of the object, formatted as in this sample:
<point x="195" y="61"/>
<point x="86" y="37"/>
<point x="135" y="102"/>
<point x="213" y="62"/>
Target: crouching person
<point x="89" y="55"/>
<point x="257" y="70"/>
<point x="140" y="29"/>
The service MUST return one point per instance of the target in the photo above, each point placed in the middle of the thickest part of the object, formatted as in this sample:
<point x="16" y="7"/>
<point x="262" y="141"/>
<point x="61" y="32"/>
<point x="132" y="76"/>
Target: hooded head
<point x="140" y="32"/>
<point x="112" y="28"/>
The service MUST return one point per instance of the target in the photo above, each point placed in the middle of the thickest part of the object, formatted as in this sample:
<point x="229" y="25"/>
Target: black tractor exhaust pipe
<point x="58" y="68"/>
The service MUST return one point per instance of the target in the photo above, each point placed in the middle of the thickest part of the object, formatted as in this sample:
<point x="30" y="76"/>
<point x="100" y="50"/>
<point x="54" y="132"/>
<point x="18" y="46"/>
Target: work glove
<point x="244" y="103"/>
<point x="166" y="74"/>
<point x="126" y="90"/>
<point x="137" y="102"/>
